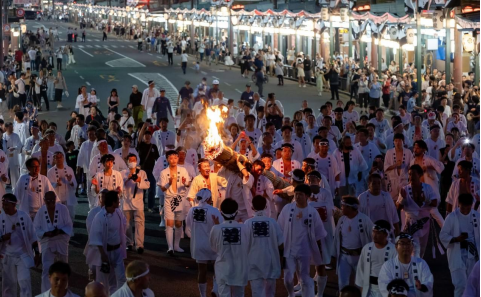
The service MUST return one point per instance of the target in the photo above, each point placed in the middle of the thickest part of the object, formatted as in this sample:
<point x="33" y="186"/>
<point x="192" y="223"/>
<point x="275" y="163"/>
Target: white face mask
<point x="132" y="165"/>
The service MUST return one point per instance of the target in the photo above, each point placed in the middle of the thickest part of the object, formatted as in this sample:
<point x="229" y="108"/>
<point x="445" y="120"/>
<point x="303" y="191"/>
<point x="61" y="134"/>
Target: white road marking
<point x="114" y="46"/>
<point x="86" y="52"/>
<point x="203" y="72"/>
<point x="228" y="84"/>
<point x="214" y="77"/>
<point x="238" y="91"/>
<point x="141" y="65"/>
<point x="89" y="46"/>
<point x="81" y="77"/>
<point x="76" y="71"/>
<point x="81" y="46"/>
<point x="122" y="46"/>
<point x="149" y="54"/>
<point x="97" y="45"/>
<point x="88" y="84"/>
<point x="131" y="46"/>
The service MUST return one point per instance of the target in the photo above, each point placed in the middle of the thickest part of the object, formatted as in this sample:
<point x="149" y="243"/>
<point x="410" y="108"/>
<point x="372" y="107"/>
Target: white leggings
<point x="263" y="287"/>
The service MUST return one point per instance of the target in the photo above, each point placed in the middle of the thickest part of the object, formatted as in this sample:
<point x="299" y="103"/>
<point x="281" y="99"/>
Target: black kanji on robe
<point x="231" y="236"/>
<point x="200" y="215"/>
<point x="260" y="229"/>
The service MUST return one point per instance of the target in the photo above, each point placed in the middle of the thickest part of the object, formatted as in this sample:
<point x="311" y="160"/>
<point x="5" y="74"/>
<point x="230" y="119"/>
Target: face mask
<point x="125" y="115"/>
<point x="132" y="165"/>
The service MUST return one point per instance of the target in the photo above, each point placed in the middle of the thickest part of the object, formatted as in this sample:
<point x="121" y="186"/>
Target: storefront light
<point x="234" y="19"/>
<point x="408" y="47"/>
<point x="172" y="21"/>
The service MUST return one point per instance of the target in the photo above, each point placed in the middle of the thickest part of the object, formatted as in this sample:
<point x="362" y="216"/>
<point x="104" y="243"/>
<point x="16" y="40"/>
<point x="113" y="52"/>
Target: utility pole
<point x="2" y="11"/>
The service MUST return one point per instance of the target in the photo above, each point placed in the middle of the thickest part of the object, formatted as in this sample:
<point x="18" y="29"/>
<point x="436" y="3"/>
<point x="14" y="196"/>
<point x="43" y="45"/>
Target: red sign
<point x="20" y="13"/>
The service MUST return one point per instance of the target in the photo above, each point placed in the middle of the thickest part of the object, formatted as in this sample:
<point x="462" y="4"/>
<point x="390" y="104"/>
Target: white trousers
<point x="230" y="291"/>
<point x="71" y="59"/>
<point x="92" y="197"/>
<point x="71" y="211"/>
<point x="138" y="217"/>
<point x="301" y="265"/>
<point x="48" y="258"/>
<point x="459" y="277"/>
<point x="14" y="175"/>
<point x="116" y="278"/>
<point x="263" y="287"/>
<point x="15" y="270"/>
<point x="347" y="266"/>
<point x="374" y="291"/>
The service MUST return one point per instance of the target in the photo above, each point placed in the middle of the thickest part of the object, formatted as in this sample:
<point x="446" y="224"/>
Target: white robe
<point x="306" y="144"/>
<point x="244" y="202"/>
<point x="23" y="191"/>
<point x="77" y="133"/>
<point x="199" y="182"/>
<point x="453" y="193"/>
<point x="3" y="171"/>
<point x="412" y="130"/>
<point x="431" y="175"/>
<point x="333" y="171"/>
<point x="115" y="181"/>
<point x="324" y="205"/>
<point x="131" y="151"/>
<point x="163" y="139"/>
<point x="265" y="185"/>
<point x="475" y="171"/>
<point x="160" y="164"/>
<point x="28" y="232"/>
<point x="397" y="180"/>
<point x="364" y="266"/>
<point x="388" y="207"/>
<point x="42" y="224"/>
<point x="199" y="223"/>
<point x="279" y="166"/>
<point x="316" y="231"/>
<point x="12" y="141"/>
<point x="419" y="269"/>
<point x="298" y="154"/>
<point x="230" y="241"/>
<point x="83" y="158"/>
<point x="265" y="238"/>
<point x="129" y="202"/>
<point x="66" y="191"/>
<point x="29" y="145"/>
<point x="47" y="294"/>
<point x="21" y="129"/>
<point x="4" y="155"/>
<point x="357" y="162"/>
<point x="96" y="166"/>
<point x="369" y="153"/>
<point x="181" y="188"/>
<point x="125" y="291"/>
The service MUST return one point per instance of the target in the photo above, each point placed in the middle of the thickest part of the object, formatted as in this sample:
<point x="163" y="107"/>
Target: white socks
<point x="321" y="285"/>
<point x="178" y="235"/>
<point x="203" y="289"/>
<point x="169" y="234"/>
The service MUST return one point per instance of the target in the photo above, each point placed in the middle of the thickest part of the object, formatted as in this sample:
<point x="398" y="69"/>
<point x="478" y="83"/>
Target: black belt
<point x="373" y="280"/>
<point x="112" y="247"/>
<point x="353" y="252"/>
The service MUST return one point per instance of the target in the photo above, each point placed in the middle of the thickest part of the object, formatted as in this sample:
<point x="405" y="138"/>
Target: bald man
<point x="138" y="279"/>
<point x="95" y="289"/>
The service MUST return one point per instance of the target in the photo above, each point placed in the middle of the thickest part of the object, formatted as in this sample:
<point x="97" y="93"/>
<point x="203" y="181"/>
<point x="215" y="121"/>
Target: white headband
<point x="229" y="216"/>
<point x="399" y="290"/>
<point x="355" y="206"/>
<point x="99" y="142"/>
<point x="131" y="279"/>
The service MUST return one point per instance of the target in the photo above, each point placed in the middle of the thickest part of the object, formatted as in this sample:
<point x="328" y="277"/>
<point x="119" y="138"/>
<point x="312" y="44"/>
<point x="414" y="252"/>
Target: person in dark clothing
<point x="446" y="175"/>
<point x="136" y="101"/>
<point x="334" y="81"/>
<point x="162" y="107"/>
<point x="355" y="84"/>
<point x="260" y="81"/>
<point x="148" y="154"/>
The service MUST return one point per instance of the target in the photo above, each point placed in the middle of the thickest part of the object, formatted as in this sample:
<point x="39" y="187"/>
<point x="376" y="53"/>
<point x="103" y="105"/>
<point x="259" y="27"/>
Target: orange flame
<point x="213" y="143"/>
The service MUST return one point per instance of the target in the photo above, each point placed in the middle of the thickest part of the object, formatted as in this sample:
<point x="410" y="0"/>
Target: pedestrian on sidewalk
<point x="334" y="81"/>
<point x="83" y="35"/>
<point x="280" y="72"/>
<point x="319" y="80"/>
<point x="259" y="81"/>
<point x="170" y="53"/>
<point x="184" y="59"/>
<point x="60" y="87"/>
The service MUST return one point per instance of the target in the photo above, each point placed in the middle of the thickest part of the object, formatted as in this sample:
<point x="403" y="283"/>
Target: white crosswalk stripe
<point x="122" y="46"/>
<point x="114" y="46"/>
<point x="81" y="46"/>
<point x="131" y="46"/>
<point x="89" y="46"/>
<point x="97" y="45"/>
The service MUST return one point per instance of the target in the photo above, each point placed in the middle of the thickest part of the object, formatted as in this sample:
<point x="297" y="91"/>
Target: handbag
<point x="15" y="94"/>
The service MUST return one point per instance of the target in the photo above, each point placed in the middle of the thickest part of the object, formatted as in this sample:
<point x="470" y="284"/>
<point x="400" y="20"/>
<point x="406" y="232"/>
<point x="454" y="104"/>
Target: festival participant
<point x="137" y="281"/>
<point x="460" y="234"/>
<point x="83" y="163"/>
<point x="58" y="275"/>
<point x="250" y="129"/>
<point x="416" y="200"/>
<point x="95" y="289"/>
<point x="126" y="149"/>
<point x="303" y="233"/>
<point x="209" y="180"/>
<point x="373" y="256"/>
<point x="468" y="155"/>
<point x="62" y="178"/>
<point x="174" y="182"/>
<point x="53" y="146"/>
<point x="31" y="188"/>
<point x="378" y="205"/>
<point x="245" y="146"/>
<point x="286" y="164"/>
<point x="96" y="165"/>
<point x="12" y="145"/>
<point x="351" y="165"/>
<point x="88" y="224"/>
<point x="413" y="270"/>
<point x="199" y="223"/>
<point x="182" y="151"/>
<point x="352" y="233"/>
<point x="107" y="244"/>
<point x="321" y="200"/>
<point x="265" y="242"/>
<point x="163" y="137"/>
<point x="135" y="182"/>
<point x="108" y="178"/>
<point x="327" y="165"/>
<point x="54" y="228"/>
<point x="149" y="96"/>
<point x="4" y="179"/>
<point x="297" y="153"/>
<point x="398" y="128"/>
<point x="417" y="131"/>
<point x="79" y="131"/>
<point x="20" y="127"/>
<point x="380" y="123"/>
<point x="31" y="141"/>
<point x="396" y="165"/>
<point x="303" y="139"/>
<point x="18" y="243"/>
<point x="230" y="241"/>
<point x="435" y="142"/>
<point x="263" y="186"/>
<point x="369" y="151"/>
<point x="465" y="184"/>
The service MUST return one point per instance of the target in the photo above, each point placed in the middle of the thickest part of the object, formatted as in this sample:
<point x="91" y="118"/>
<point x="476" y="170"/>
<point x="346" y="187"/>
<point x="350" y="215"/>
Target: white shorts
<point x="178" y="214"/>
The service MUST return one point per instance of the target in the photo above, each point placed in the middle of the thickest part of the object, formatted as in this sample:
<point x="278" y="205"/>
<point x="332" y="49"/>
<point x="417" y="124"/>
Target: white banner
<point x="23" y="2"/>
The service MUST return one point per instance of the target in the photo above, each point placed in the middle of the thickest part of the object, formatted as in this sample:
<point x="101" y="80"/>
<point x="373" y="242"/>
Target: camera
<point x="135" y="176"/>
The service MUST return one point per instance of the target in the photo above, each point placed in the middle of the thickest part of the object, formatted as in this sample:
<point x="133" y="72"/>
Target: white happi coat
<point x="62" y="221"/>
<point x="191" y="157"/>
<point x="450" y="230"/>
<point x="453" y="193"/>
<point x="21" y="129"/>
<point x="306" y="143"/>
<point x="53" y="149"/>
<point x="3" y="171"/>
<point x="324" y="205"/>
<point x="381" y="127"/>
<point x="388" y="207"/>
<point x="390" y="141"/>
<point x="364" y="266"/>
<point x="26" y="190"/>
<point x="297" y="155"/>
<point x="412" y="130"/>
<point x="171" y="198"/>
<point x="357" y="162"/>
<point x="230" y="241"/>
<point x="234" y="180"/>
<point x="199" y="223"/>
<point x="38" y="155"/>
<point x="65" y="192"/>
<point x="12" y="141"/>
<point x="415" y="214"/>
<point x="163" y="139"/>
<point x="265" y="185"/>
<point x="476" y="167"/>
<point x="95" y="150"/>
<point x="160" y="165"/>
<point x="369" y="153"/>
<point x="316" y="231"/>
<point x="129" y="202"/>
<point x="83" y="158"/>
<point x="47" y="294"/>
<point x="396" y="179"/>
<point x="115" y="180"/>
<point x="419" y="269"/>
<point x="435" y="146"/>
<point x="29" y="144"/>
<point x="365" y="229"/>
<point x="279" y="166"/>
<point x="28" y="232"/>
<point x="125" y="291"/>
<point x="431" y="176"/>
<point x="4" y="155"/>
<point x="199" y="182"/>
<point x="77" y="133"/>
<point x="90" y="217"/>
<point x="332" y="170"/>
<point x="131" y="151"/>
<point x="98" y="237"/>
<point x="96" y="166"/>
<point x="265" y="237"/>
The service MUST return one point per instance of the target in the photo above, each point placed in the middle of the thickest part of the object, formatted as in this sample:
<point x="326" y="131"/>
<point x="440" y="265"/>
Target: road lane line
<point x="81" y="77"/>
<point x="228" y="84"/>
<point x="203" y="72"/>
<point x="86" y="52"/>
<point x="142" y="65"/>
<point x="88" y="84"/>
<point x="76" y="71"/>
<point x="214" y="77"/>
<point x="238" y="91"/>
<point x="97" y="46"/>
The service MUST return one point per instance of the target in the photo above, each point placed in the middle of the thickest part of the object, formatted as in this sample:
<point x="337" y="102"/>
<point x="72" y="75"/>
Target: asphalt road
<point x="116" y="63"/>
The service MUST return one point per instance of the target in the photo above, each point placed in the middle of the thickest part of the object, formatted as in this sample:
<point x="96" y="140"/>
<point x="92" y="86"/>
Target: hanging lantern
<point x="438" y="19"/>
<point x="410" y="36"/>
<point x="468" y="42"/>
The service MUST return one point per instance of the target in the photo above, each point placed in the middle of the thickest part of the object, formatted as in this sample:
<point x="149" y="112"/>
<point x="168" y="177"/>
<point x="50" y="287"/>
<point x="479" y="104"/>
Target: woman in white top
<point x="184" y="58"/>
<point x="83" y="101"/>
<point x="271" y="62"/>
<point x="291" y="55"/>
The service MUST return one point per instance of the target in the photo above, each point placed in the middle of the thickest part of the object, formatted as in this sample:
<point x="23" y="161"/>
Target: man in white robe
<point x="137" y="281"/>
<point x="62" y="178"/>
<point x="133" y="202"/>
<point x="164" y="137"/>
<point x="53" y="146"/>
<point x="33" y="140"/>
<point x="413" y="270"/>
<point x="369" y="151"/>
<point x="327" y="165"/>
<point x="396" y="165"/>
<point x="53" y="227"/>
<point x="297" y="152"/>
<point x="58" y="275"/>
<point x="266" y="238"/>
<point x="79" y="131"/>
<point x="472" y="285"/>
<point x="468" y="155"/>
<point x="465" y="184"/>
<point x="239" y="188"/>
<point x="20" y="127"/>
<point x="31" y="188"/>
<point x="460" y="234"/>
<point x="12" y="145"/>
<point x="373" y="256"/>
<point x="286" y="164"/>
<point x="209" y="180"/>
<point x="263" y="186"/>
<point x="230" y="241"/>
<point x="199" y="222"/>
<point x="303" y="231"/>
<point x="83" y="162"/>
<point x="107" y="244"/>
<point x="17" y="243"/>
<point x="4" y="179"/>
